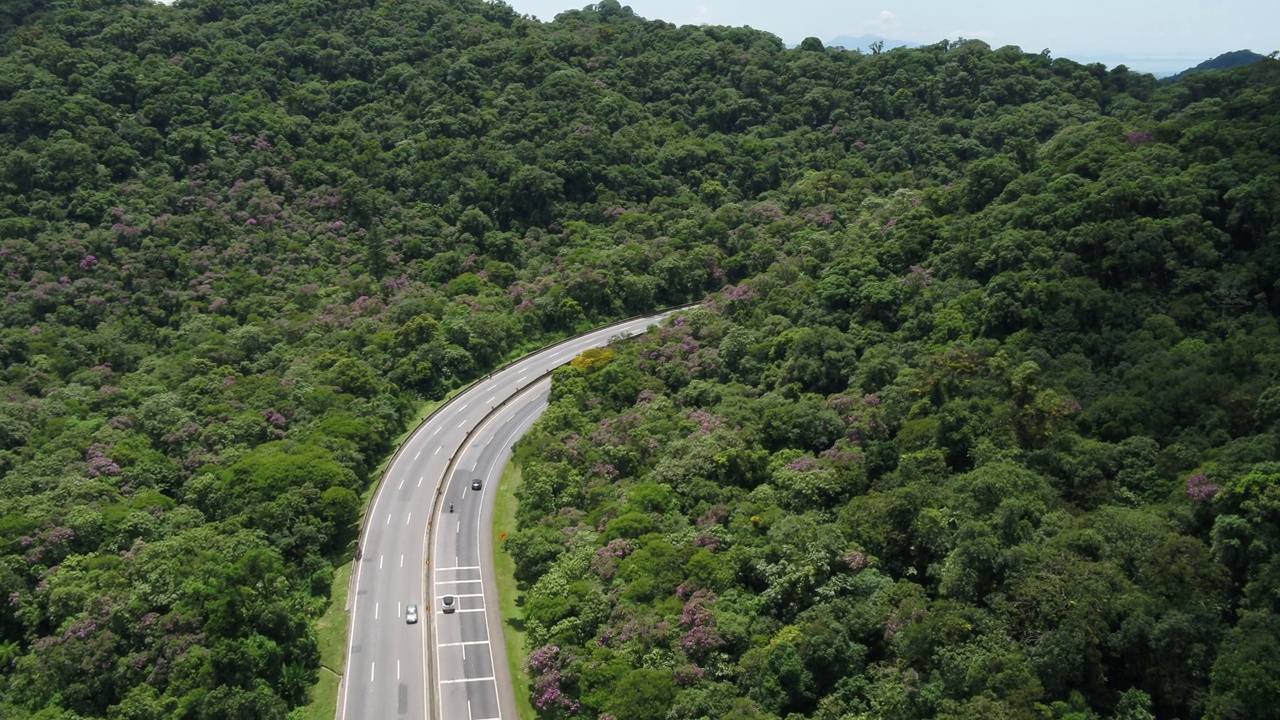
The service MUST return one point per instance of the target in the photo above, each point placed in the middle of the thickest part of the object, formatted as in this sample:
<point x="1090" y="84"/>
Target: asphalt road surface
<point x="448" y="666"/>
<point x="471" y="673"/>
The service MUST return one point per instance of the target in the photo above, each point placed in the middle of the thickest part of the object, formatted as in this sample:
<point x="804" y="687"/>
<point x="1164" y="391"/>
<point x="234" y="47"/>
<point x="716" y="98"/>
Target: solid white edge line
<point x="628" y="330"/>
<point x="554" y="359"/>
<point x="493" y="670"/>
<point x="440" y="683"/>
<point x="476" y="432"/>
<point x="426" y="585"/>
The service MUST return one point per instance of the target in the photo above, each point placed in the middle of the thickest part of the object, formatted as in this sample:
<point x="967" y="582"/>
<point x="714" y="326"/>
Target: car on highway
<point x="475" y="485"/>
<point x="411" y="614"/>
<point x="448" y="604"/>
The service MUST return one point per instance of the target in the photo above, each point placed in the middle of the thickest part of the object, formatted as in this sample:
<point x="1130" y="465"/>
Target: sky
<point x="1147" y="35"/>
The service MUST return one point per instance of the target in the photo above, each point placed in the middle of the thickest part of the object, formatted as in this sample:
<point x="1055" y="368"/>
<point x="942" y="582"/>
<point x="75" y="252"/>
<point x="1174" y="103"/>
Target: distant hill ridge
<point x="1235" y="58"/>
<point x="863" y="43"/>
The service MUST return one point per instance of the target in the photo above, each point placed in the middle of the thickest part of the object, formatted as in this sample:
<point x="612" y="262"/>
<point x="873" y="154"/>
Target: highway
<point x="448" y="666"/>
<point x="471" y="673"/>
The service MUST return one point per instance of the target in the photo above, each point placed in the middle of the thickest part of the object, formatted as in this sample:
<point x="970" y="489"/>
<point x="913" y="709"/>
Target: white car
<point x="448" y="604"/>
<point x="411" y="614"/>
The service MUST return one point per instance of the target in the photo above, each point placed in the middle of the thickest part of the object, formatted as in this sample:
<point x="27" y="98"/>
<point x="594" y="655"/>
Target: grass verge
<point x="331" y="628"/>
<point x="509" y="595"/>
<point x="331" y="633"/>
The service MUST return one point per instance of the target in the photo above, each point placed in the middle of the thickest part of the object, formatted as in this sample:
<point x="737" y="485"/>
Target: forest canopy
<point x="979" y="419"/>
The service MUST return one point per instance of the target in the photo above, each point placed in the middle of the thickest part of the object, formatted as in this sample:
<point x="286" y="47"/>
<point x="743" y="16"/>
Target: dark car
<point x="475" y="485"/>
<point x="448" y="604"/>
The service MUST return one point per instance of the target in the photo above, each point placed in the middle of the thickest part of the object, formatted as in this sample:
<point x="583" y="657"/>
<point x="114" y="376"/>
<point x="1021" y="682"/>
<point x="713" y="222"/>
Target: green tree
<point x="644" y="694"/>
<point x="1245" y="675"/>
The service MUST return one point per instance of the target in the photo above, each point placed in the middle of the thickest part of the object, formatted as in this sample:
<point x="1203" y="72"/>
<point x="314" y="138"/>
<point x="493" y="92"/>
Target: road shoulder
<point x="509" y="595"/>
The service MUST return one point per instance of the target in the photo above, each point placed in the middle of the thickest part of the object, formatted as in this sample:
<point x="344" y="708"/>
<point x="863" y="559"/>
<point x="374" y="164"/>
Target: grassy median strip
<point x="509" y="595"/>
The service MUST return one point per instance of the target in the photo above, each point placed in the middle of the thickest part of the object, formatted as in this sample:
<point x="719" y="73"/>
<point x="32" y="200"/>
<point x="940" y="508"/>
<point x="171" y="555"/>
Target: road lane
<point x="490" y="694"/>
<point x="388" y="661"/>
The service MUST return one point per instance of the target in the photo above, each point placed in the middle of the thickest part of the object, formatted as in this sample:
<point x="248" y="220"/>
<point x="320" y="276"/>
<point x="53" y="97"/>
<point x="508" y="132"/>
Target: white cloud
<point x="702" y="16"/>
<point x="886" y="24"/>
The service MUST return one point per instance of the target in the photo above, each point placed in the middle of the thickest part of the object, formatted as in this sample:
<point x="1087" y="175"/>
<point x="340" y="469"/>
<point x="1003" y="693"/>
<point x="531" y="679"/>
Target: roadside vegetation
<point x="980" y="421"/>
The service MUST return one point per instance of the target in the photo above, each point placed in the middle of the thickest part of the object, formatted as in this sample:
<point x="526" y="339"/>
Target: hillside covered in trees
<point x="979" y="422"/>
<point x="1235" y="58"/>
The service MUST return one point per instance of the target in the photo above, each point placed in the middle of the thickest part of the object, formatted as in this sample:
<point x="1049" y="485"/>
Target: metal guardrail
<point x="450" y="467"/>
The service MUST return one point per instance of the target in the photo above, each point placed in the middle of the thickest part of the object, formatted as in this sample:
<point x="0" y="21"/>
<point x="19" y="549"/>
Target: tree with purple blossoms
<point x="252" y="231"/>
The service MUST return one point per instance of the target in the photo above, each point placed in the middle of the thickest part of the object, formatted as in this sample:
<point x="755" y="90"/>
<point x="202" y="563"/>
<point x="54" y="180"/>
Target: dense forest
<point x="979" y="420"/>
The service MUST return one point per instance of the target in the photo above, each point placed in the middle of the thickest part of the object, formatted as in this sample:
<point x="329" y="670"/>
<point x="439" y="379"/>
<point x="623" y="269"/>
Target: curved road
<point x="471" y="676"/>
<point x="388" y="660"/>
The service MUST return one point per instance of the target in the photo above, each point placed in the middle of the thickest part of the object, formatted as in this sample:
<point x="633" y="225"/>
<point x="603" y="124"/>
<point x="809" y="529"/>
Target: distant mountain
<point x="1222" y="62"/>
<point x="863" y="42"/>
